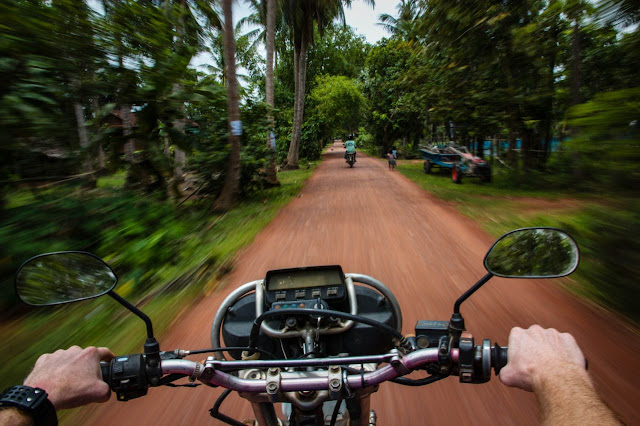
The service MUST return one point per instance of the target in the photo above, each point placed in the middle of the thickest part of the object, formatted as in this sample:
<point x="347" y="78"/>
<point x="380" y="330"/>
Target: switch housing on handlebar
<point x="126" y="375"/>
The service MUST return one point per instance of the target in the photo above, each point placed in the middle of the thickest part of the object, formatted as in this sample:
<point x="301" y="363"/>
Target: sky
<point x="360" y="16"/>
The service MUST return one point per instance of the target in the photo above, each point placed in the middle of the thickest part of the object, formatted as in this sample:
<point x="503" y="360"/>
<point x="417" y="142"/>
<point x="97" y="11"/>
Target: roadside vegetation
<point x="166" y="258"/>
<point x="547" y="93"/>
<point x="605" y="226"/>
<point x="114" y="142"/>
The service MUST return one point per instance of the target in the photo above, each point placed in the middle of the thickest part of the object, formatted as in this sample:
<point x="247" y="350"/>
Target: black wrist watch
<point x="32" y="401"/>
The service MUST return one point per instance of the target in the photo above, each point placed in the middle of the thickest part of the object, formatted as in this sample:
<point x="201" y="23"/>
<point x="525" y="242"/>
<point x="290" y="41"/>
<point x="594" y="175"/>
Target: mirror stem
<point x="135" y="310"/>
<point x="465" y="296"/>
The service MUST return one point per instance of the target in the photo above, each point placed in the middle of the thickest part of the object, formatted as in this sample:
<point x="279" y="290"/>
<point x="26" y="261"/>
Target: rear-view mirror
<point x="533" y="253"/>
<point x="63" y="277"/>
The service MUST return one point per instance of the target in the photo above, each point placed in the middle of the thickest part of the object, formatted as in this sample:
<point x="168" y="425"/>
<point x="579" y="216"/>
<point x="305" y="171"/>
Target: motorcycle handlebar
<point x="126" y="375"/>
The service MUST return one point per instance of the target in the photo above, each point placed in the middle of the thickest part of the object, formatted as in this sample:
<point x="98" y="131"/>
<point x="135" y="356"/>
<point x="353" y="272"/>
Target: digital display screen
<point x="293" y="279"/>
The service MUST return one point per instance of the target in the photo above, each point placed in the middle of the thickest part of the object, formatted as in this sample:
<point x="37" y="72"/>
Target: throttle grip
<point x="105" y="367"/>
<point x="498" y="357"/>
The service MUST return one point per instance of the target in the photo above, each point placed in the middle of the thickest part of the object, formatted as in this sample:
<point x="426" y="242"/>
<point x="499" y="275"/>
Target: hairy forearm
<point x="567" y="397"/>
<point x="14" y="417"/>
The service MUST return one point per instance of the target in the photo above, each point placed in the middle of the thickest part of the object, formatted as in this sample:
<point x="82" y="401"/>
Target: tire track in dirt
<point x="376" y="222"/>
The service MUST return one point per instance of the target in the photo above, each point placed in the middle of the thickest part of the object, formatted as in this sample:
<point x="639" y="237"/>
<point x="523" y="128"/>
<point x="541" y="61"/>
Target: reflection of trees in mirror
<point x="533" y="253"/>
<point x="63" y="277"/>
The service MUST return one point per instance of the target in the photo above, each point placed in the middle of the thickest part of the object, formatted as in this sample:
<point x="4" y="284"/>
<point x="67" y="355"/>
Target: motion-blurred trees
<point x="500" y="70"/>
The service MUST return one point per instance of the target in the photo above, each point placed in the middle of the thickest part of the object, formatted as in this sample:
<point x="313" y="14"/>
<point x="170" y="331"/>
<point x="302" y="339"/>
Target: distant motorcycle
<point x="351" y="158"/>
<point x="307" y="338"/>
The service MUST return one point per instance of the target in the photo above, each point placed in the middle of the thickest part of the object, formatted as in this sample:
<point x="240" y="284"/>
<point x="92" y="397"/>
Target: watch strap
<point x="33" y="401"/>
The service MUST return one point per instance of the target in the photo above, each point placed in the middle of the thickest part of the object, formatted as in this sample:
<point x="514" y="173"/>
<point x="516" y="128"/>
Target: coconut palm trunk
<point x="300" y="70"/>
<point x="271" y="176"/>
<point x="232" y="179"/>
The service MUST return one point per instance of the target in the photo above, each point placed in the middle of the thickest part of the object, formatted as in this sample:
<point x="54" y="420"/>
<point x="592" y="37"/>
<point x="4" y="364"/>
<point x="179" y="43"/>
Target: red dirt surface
<point x="375" y="221"/>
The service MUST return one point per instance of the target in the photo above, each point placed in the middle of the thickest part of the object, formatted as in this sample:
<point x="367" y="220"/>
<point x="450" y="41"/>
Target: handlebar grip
<point x="498" y="357"/>
<point x="105" y="367"/>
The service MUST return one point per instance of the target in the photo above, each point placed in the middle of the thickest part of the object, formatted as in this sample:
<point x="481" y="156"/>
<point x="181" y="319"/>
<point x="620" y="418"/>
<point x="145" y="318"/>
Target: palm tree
<point x="232" y="179"/>
<point x="268" y="36"/>
<point x="302" y="16"/>
<point x="408" y="11"/>
<point x="271" y="176"/>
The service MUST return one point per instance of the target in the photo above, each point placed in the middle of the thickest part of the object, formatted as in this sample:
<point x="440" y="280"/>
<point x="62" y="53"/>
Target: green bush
<point x="610" y="253"/>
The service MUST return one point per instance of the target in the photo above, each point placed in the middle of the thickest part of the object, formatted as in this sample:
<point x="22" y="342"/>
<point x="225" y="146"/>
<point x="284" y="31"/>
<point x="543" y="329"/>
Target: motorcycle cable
<point x="255" y="329"/>
<point x="216" y="414"/>
<point x="233" y="348"/>
<point x="336" y="410"/>
<point x="419" y="382"/>
<point x="168" y="381"/>
<point x="403" y="380"/>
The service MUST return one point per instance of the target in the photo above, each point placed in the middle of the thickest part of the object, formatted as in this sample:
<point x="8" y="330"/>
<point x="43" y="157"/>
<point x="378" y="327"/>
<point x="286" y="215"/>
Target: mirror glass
<point x="64" y="277"/>
<point x="533" y="253"/>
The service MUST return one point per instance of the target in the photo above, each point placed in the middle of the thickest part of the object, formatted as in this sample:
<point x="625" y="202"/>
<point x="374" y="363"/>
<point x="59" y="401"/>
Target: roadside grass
<point x="200" y="257"/>
<point x="604" y="224"/>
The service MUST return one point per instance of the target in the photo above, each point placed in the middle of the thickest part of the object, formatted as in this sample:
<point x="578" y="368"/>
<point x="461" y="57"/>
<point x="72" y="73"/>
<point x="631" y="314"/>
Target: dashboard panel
<point x="303" y="284"/>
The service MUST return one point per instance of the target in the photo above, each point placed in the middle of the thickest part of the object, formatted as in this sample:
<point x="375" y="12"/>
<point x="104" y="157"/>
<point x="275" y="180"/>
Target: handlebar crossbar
<point x="398" y="366"/>
<point x="311" y="362"/>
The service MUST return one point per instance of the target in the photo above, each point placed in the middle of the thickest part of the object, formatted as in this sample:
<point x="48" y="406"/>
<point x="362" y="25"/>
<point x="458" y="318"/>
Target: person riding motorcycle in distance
<point x="542" y="361"/>
<point x="350" y="146"/>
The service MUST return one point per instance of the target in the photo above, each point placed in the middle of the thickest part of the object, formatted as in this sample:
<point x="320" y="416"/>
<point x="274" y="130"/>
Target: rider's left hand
<point x="71" y="377"/>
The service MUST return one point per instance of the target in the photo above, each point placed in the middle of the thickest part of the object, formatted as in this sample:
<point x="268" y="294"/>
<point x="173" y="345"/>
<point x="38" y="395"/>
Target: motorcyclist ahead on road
<point x="350" y="146"/>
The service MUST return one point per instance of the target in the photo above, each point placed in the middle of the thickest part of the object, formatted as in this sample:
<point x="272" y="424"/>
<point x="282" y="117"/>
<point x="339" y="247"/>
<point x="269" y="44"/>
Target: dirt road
<point x="374" y="221"/>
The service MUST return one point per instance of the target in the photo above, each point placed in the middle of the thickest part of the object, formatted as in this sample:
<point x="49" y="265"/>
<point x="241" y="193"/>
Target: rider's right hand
<point x="71" y="377"/>
<point x="537" y="354"/>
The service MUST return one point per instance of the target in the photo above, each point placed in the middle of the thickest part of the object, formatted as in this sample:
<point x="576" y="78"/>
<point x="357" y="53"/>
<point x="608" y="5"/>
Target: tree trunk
<point x="232" y="179"/>
<point x="303" y="81"/>
<point x="292" y="156"/>
<point x="576" y="53"/>
<point x="127" y="130"/>
<point x="179" y="160"/>
<point x="271" y="176"/>
<point x="96" y="108"/>
<point x="125" y="116"/>
<point x="548" y="136"/>
<point x="294" y="148"/>
<point x="83" y="137"/>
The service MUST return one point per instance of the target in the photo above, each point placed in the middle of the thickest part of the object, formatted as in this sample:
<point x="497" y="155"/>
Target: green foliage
<point x="604" y="226"/>
<point x="365" y="140"/>
<point x="607" y="148"/>
<point x="339" y="52"/>
<point x="165" y="258"/>
<point x="339" y="104"/>
<point x="393" y="113"/>
<point x="209" y="159"/>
